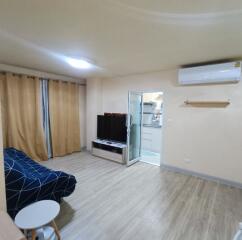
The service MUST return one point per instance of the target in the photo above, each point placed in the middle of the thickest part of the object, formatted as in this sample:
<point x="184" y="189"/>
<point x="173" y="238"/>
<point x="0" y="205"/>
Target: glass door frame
<point x="128" y="162"/>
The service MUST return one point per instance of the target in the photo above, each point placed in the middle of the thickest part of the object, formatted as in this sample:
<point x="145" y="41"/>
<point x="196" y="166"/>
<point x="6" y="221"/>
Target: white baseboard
<point x="203" y="176"/>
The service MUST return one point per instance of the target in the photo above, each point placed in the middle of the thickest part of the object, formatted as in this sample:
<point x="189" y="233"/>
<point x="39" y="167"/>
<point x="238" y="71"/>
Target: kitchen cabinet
<point x="151" y="139"/>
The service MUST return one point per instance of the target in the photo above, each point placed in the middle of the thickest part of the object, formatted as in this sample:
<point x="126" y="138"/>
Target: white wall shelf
<point x="203" y="103"/>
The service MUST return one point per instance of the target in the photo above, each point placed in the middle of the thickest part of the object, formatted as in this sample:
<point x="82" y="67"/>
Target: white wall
<point x="94" y="107"/>
<point x="2" y="177"/>
<point x="211" y="138"/>
<point x="83" y="116"/>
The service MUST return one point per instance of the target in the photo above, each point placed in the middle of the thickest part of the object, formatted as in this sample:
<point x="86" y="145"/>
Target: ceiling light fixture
<point x="79" y="63"/>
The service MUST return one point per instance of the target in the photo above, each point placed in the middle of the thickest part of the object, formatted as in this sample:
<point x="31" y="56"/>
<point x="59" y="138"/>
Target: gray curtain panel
<point x="45" y="113"/>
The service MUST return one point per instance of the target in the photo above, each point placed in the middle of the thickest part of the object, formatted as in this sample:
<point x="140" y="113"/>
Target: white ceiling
<point x="121" y="36"/>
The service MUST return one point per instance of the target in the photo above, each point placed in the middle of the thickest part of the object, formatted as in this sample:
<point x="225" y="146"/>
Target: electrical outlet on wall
<point x="187" y="160"/>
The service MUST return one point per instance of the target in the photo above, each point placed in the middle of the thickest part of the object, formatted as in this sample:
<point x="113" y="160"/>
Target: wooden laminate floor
<point x="143" y="202"/>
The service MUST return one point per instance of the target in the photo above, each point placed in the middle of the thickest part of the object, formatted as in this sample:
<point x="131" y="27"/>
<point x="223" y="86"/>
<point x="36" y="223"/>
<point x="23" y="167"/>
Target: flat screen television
<point x="101" y="127"/>
<point x="111" y="126"/>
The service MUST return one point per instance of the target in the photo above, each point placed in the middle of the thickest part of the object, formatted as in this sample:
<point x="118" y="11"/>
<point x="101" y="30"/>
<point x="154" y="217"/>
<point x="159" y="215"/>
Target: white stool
<point x="37" y="215"/>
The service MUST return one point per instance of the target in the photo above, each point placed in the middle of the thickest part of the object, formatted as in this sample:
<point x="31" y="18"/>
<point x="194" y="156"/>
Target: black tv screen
<point x="118" y="128"/>
<point x="107" y="126"/>
<point x="112" y="127"/>
<point x="101" y="127"/>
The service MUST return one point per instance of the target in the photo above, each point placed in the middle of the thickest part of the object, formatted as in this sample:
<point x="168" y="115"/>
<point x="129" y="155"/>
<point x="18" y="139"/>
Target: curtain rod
<point x="43" y="78"/>
<point x="44" y="75"/>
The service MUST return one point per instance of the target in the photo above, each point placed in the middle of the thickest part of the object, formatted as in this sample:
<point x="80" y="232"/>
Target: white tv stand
<point x="110" y="150"/>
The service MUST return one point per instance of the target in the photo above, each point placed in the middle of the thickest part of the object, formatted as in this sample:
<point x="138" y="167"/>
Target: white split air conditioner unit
<point x="217" y="73"/>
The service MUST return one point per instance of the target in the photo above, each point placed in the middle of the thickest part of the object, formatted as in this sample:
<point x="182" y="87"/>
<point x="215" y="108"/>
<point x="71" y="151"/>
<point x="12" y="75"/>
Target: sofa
<point x="27" y="181"/>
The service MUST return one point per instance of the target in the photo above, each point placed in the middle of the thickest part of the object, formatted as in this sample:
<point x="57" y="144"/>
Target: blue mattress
<point x="27" y="181"/>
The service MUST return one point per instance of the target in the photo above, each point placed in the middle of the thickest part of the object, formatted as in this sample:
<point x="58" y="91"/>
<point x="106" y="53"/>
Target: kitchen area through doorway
<point x="152" y="128"/>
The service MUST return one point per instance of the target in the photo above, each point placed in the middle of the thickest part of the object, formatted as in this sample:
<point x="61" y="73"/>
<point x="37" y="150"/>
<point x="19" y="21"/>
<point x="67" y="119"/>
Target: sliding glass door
<point x="135" y="105"/>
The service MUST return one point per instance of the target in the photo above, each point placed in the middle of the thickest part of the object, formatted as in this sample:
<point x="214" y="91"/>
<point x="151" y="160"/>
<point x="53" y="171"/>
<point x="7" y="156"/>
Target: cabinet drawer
<point x="147" y="130"/>
<point x="146" y="144"/>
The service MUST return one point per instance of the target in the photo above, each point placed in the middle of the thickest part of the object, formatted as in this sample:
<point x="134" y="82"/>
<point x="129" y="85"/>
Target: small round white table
<point x="37" y="215"/>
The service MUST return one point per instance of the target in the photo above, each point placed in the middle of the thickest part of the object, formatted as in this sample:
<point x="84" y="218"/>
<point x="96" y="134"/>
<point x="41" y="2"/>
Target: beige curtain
<point x="22" y="120"/>
<point x="3" y="106"/>
<point x="64" y="117"/>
